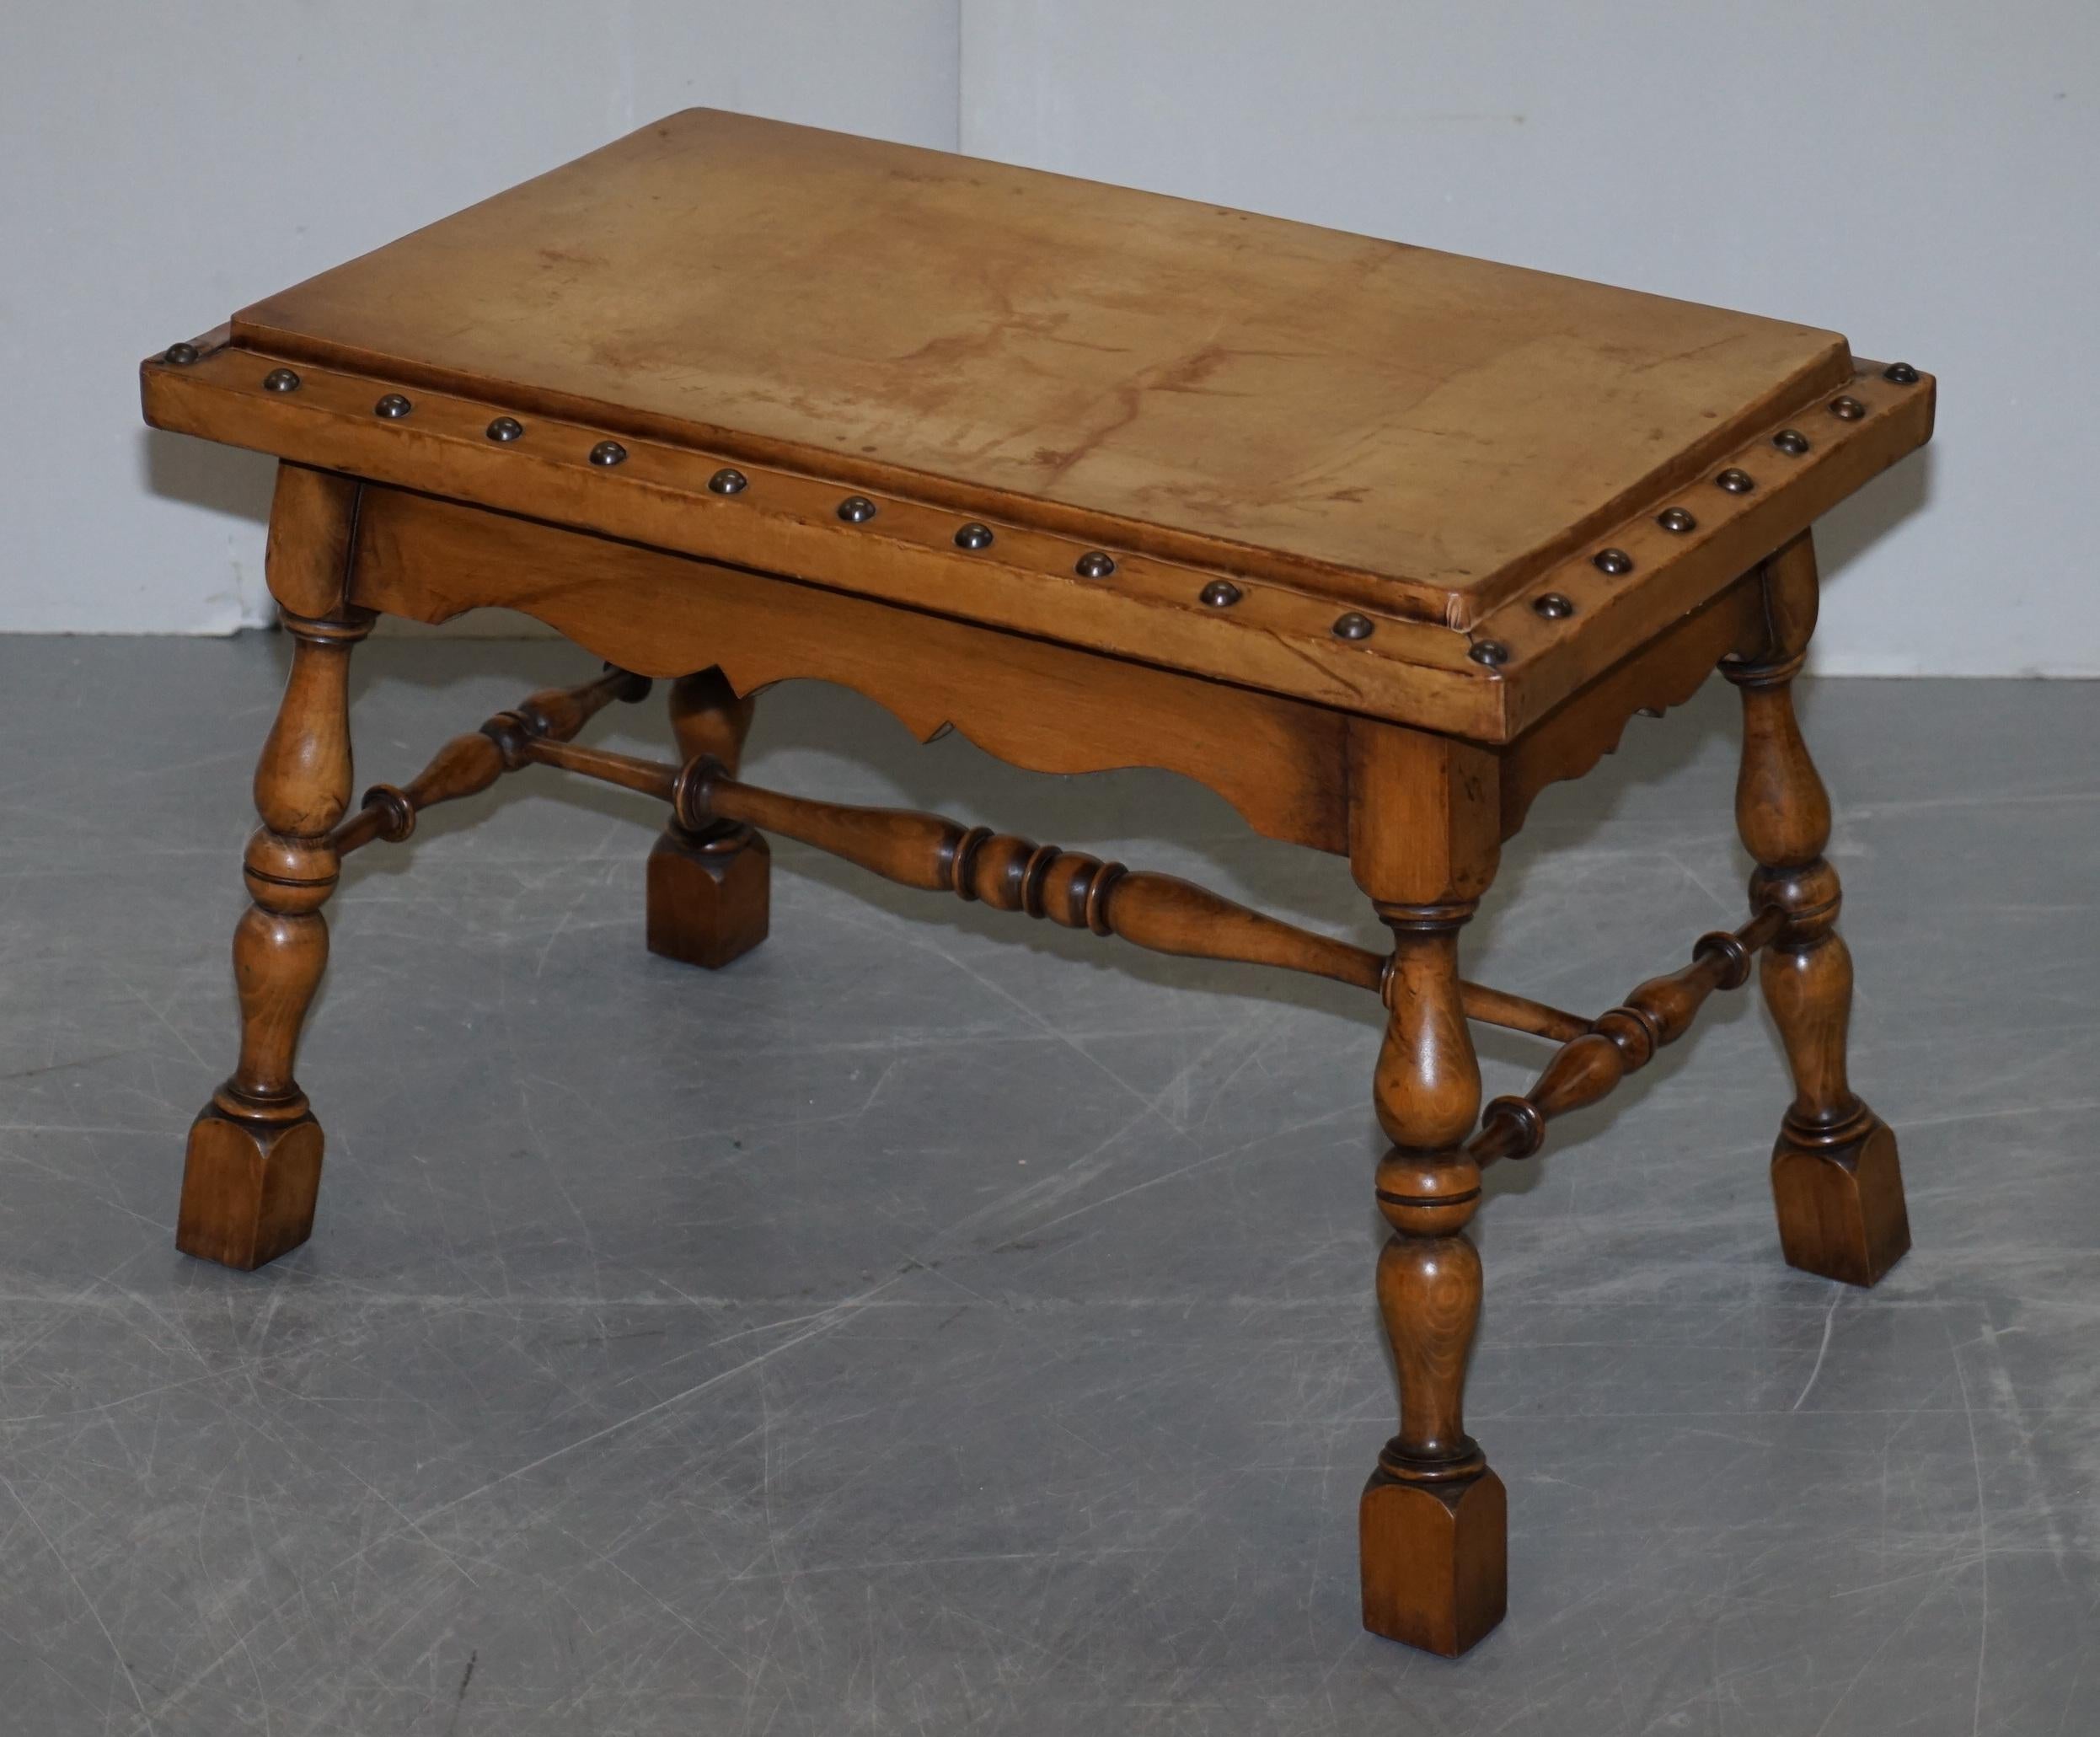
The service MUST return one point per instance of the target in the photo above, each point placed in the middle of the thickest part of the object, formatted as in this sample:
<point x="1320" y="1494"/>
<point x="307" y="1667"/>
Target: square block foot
<point x="247" y="1188"/>
<point x="1841" y="1212"/>
<point x="1435" y="1560"/>
<point x="709" y="905"/>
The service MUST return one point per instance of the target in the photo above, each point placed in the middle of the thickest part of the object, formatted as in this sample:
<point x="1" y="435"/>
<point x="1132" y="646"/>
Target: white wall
<point x="1918" y="175"/>
<point x="166" y="164"/>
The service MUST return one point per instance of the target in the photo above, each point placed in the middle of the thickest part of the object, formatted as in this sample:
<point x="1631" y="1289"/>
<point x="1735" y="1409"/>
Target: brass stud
<point x="280" y="380"/>
<point x="1094" y="565"/>
<point x="1676" y="519"/>
<point x="974" y="535"/>
<point x="179" y="355"/>
<point x="1220" y="594"/>
<point x="392" y="407"/>
<point x="608" y="453"/>
<point x="1353" y="626"/>
<point x="856" y="509"/>
<point x="1615" y="561"/>
<point x="1791" y="441"/>
<point x="728" y="481"/>
<point x="1492" y="652"/>
<point x="1735" y="481"/>
<point x="504" y="430"/>
<point x="1847" y="409"/>
<point x="1554" y="606"/>
<point x="1901" y="372"/>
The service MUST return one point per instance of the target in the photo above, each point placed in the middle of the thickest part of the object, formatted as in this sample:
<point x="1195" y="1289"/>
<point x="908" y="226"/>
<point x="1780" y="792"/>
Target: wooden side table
<point x="1375" y="542"/>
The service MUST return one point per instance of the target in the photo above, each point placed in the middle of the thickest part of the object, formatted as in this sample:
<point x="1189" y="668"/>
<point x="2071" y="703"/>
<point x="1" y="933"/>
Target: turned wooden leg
<point x="1434" y="1521"/>
<point x="254" y="1159"/>
<point x="1836" y="1180"/>
<point x="709" y="891"/>
<point x="1425" y="817"/>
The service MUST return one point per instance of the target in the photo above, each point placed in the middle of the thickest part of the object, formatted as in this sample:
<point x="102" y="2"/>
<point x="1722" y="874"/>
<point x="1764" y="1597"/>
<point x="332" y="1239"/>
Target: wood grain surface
<point x="1409" y="428"/>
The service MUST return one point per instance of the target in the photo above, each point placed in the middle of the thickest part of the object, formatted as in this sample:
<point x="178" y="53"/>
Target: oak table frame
<point x="1407" y="722"/>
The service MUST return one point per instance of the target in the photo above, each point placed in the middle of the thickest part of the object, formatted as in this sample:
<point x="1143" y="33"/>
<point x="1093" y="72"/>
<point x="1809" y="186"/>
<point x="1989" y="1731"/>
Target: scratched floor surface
<point x="940" y="1322"/>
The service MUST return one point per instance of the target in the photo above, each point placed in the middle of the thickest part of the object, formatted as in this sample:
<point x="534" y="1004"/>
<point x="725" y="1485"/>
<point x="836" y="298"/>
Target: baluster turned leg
<point x="1432" y="1524"/>
<point x="1836" y="1176"/>
<point x="709" y="891"/>
<point x="254" y="1160"/>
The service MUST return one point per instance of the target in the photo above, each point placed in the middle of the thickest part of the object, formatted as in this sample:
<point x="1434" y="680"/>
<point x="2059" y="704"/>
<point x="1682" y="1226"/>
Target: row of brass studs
<point x="1616" y="563"/>
<point x="1097" y="563"/>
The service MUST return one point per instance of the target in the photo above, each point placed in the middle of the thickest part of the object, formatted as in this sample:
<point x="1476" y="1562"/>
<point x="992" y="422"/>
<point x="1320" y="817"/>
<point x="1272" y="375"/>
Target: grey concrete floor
<point x="943" y="1322"/>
